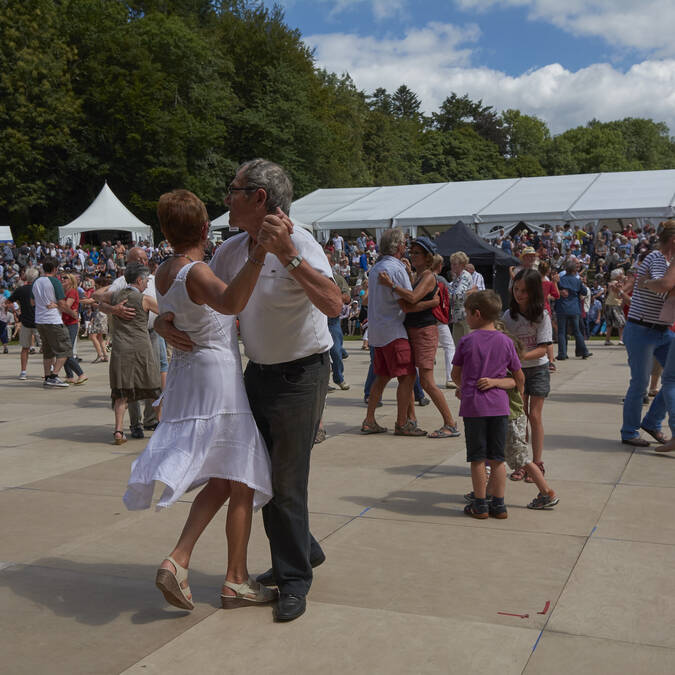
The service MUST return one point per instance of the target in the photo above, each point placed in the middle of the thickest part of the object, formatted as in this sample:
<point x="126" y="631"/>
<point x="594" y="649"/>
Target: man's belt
<point x="304" y="361"/>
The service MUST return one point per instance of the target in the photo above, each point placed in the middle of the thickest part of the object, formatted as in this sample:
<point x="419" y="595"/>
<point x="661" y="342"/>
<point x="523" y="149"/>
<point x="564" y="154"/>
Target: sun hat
<point x="426" y="244"/>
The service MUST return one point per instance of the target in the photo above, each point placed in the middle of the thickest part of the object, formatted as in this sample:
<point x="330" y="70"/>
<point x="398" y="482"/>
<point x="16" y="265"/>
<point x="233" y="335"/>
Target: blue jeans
<point x="668" y="386"/>
<point x="580" y="346"/>
<point x="337" y="367"/>
<point x="644" y="344"/>
<point x="287" y="402"/>
<point x="71" y="366"/>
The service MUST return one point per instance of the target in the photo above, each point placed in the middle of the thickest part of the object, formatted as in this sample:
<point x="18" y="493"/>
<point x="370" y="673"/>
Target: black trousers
<point x="287" y="402"/>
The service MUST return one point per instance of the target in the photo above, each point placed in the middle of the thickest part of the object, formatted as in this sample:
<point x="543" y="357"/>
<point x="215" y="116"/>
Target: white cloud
<point x="435" y="61"/>
<point x="646" y="25"/>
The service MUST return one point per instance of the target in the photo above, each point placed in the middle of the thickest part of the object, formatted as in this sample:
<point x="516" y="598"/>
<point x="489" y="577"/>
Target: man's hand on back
<point x="176" y="338"/>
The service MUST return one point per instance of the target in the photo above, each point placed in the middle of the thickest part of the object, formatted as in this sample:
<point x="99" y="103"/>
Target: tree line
<point x="157" y="94"/>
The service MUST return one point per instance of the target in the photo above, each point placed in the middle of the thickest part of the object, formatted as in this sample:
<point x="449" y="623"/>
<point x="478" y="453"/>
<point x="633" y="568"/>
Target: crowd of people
<point x="169" y="322"/>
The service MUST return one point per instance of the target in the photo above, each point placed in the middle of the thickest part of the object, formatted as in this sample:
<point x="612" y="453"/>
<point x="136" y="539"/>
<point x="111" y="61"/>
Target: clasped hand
<point x="274" y="235"/>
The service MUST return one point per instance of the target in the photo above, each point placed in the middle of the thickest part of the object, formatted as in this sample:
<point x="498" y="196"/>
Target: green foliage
<point x="157" y="94"/>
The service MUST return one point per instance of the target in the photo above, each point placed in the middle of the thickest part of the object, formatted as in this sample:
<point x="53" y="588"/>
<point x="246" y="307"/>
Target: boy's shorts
<point x="537" y="381"/>
<point x="517" y="452"/>
<point x="485" y="438"/>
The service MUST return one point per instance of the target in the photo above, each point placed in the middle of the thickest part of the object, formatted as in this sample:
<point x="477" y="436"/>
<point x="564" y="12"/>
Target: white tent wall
<point x="6" y="234"/>
<point x="106" y="213"/>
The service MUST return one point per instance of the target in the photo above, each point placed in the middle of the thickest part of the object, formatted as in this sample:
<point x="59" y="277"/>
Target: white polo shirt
<point x="279" y="322"/>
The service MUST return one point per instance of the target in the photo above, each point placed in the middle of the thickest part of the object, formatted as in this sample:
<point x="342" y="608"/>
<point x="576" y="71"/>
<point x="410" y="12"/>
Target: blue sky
<point x="566" y="61"/>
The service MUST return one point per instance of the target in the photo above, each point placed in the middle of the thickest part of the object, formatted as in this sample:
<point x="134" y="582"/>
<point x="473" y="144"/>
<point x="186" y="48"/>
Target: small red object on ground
<point x="546" y="606"/>
<point x="520" y="616"/>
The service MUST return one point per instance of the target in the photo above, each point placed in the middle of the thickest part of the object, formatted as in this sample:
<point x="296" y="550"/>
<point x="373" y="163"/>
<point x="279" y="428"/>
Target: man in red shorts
<point x="386" y="333"/>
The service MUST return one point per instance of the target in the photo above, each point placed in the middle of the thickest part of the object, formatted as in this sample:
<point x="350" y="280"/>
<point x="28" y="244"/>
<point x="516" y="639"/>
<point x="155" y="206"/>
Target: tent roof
<point x="221" y="222"/>
<point x="461" y="238"/>
<point x="537" y="200"/>
<point x="106" y="212"/>
<point x="6" y="234"/>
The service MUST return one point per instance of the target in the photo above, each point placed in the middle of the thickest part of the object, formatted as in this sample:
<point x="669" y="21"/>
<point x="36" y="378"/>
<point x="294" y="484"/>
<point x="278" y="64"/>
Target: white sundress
<point x="207" y="428"/>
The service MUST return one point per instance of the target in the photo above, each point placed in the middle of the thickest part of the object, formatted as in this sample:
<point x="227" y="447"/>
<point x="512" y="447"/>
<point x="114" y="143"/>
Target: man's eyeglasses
<point x="231" y="188"/>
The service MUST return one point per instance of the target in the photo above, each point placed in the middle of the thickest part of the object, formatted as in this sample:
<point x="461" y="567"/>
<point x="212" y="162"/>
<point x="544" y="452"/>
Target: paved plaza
<point x="410" y="585"/>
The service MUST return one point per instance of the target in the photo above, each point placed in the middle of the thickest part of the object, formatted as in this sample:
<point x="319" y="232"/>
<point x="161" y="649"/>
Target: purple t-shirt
<point x="484" y="353"/>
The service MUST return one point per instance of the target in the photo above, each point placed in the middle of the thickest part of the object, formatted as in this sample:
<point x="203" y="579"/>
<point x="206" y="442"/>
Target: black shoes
<point x="267" y="578"/>
<point x="289" y="607"/>
<point x="151" y="427"/>
<point x="423" y="401"/>
<point x="137" y="432"/>
<point x="586" y="355"/>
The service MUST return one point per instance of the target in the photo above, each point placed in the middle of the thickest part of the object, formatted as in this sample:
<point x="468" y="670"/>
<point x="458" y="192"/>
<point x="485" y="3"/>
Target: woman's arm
<point x="205" y="288"/>
<point x="662" y="285"/>
<point x="420" y="306"/>
<point x="411" y="297"/>
<point x="150" y="304"/>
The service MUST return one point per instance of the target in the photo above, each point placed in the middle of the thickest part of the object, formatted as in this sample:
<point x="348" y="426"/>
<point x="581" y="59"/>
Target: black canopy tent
<point x="481" y="254"/>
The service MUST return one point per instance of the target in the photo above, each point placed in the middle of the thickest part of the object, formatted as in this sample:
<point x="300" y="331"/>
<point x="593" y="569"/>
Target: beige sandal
<point x="172" y="587"/>
<point x="248" y="593"/>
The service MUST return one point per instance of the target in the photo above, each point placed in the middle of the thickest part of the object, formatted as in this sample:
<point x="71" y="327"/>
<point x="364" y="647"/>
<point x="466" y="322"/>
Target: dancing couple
<point x="246" y="437"/>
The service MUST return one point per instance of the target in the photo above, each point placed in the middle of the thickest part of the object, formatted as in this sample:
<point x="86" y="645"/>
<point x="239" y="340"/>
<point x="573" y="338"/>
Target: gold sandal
<point x="171" y="585"/>
<point x="250" y="592"/>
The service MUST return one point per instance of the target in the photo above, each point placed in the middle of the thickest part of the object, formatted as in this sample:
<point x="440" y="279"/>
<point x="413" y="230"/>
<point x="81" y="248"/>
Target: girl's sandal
<point x="174" y="586"/>
<point x="250" y="592"/>
<point x="119" y="439"/>
<point x="410" y="428"/>
<point x="518" y="474"/>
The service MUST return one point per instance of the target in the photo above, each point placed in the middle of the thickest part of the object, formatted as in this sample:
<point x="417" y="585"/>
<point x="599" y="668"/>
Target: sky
<point x="565" y="61"/>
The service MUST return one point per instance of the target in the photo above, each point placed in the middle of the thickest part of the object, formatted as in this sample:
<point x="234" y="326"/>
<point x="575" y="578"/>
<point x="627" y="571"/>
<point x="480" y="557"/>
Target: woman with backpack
<point x="421" y="325"/>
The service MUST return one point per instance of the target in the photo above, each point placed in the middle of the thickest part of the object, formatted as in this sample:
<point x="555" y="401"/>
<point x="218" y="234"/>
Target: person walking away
<point x="71" y="366"/>
<point x="335" y="330"/>
<point x="28" y="331"/>
<point x="49" y="299"/>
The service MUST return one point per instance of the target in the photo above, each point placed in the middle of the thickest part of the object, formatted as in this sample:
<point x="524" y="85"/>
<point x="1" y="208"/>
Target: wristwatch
<point x="294" y="262"/>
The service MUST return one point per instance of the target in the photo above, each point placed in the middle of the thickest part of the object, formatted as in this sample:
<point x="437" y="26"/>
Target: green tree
<point x="38" y="109"/>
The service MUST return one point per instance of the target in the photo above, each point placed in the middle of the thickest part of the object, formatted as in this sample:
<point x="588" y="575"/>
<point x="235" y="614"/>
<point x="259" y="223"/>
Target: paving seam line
<point x="576" y="562"/>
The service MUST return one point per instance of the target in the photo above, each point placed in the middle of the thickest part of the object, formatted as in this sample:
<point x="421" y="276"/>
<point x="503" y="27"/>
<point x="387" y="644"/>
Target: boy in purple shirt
<point x="480" y="366"/>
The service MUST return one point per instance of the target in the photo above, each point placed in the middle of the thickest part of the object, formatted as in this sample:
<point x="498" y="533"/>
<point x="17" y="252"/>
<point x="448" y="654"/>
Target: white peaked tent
<point x="106" y="213"/>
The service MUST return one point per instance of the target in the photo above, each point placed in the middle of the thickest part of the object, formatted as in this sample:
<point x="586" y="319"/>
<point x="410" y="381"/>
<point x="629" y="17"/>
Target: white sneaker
<point x="22" y="375"/>
<point x="54" y="382"/>
<point x="343" y="385"/>
<point x="450" y="385"/>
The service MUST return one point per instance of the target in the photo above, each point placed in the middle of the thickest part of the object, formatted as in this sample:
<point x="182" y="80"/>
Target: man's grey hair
<point x="391" y="240"/>
<point x="135" y="272"/>
<point x="273" y="179"/>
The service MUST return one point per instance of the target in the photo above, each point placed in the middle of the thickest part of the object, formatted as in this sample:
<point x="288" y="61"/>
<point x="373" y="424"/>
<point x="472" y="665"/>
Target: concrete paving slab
<point x="620" y="590"/>
<point x="85" y="621"/>
<point x="454" y="572"/>
<point x="436" y="497"/>
<point x="573" y="655"/>
<point x="630" y="515"/>
<point x="338" y="639"/>
<point x="648" y="467"/>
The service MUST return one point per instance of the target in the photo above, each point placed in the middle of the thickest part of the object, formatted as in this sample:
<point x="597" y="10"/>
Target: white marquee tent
<point x="105" y="213"/>
<point x="488" y="205"/>
<point x="223" y="222"/>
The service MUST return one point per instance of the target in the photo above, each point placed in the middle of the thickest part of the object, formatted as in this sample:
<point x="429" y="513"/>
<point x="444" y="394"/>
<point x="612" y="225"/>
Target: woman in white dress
<point x="207" y="434"/>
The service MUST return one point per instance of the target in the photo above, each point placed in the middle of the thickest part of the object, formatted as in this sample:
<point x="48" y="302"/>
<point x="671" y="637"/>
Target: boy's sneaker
<point x="476" y="509"/>
<point x="544" y="501"/>
<point x="53" y="381"/>
<point x="470" y="496"/>
<point x="23" y="375"/>
<point x="498" y="510"/>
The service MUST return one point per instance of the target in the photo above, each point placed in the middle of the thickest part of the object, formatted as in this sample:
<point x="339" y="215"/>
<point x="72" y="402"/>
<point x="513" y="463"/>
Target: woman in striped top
<point x="647" y="336"/>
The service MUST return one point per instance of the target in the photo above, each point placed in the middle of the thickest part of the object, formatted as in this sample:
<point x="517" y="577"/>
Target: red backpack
<point x="442" y="310"/>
